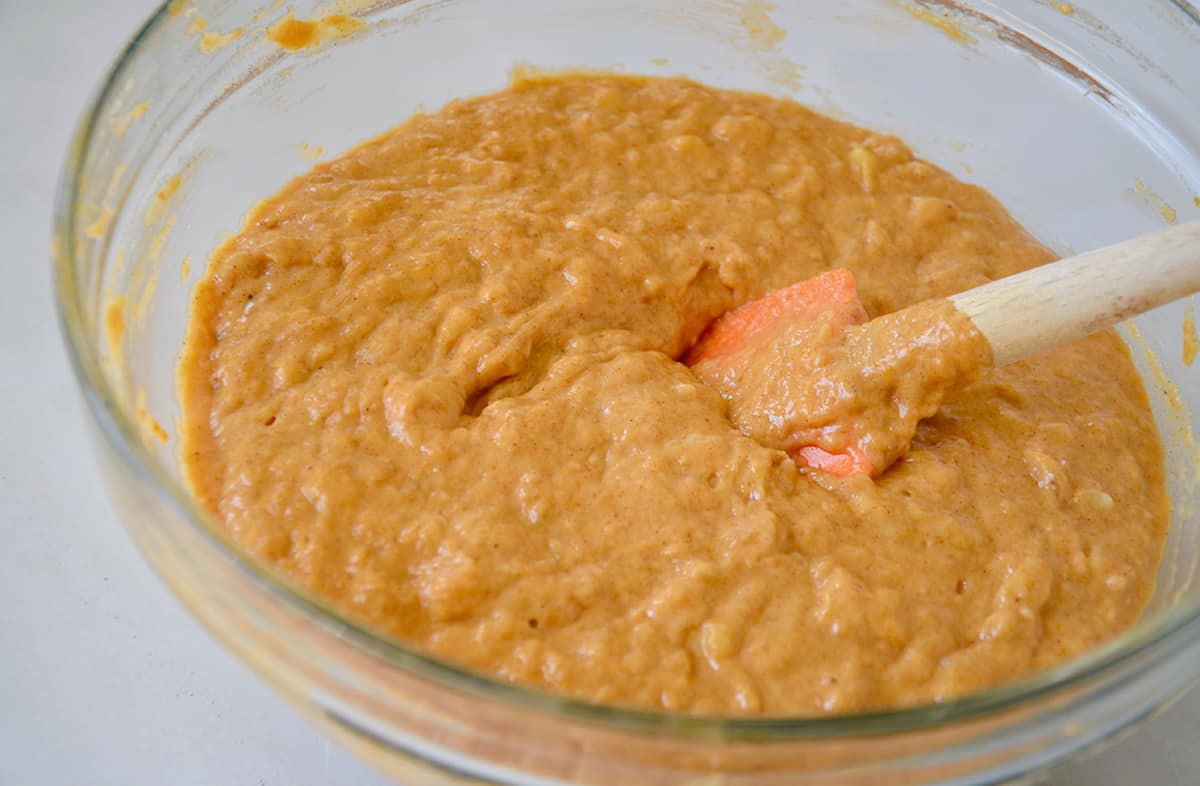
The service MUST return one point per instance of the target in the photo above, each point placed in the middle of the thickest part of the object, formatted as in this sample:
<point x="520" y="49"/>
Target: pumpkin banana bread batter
<point x="437" y="381"/>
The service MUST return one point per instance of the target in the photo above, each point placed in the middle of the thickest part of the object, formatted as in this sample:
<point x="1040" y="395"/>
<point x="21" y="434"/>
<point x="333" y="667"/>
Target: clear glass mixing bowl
<point x="1084" y="119"/>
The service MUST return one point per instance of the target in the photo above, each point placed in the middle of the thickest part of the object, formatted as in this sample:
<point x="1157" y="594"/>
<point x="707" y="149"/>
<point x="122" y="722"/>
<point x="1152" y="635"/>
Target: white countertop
<point x="104" y="679"/>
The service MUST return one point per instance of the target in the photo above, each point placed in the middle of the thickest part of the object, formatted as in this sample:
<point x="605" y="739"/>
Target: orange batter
<point x="437" y="382"/>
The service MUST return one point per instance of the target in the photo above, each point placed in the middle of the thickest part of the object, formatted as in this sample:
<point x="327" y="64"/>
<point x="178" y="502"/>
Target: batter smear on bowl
<point x="439" y="381"/>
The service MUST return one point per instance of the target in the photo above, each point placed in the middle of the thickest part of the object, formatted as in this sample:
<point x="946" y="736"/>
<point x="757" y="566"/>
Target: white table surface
<point x="104" y="679"/>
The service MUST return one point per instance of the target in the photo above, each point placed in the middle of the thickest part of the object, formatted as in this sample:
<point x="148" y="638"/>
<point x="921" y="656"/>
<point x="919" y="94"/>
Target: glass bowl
<point x="1083" y="119"/>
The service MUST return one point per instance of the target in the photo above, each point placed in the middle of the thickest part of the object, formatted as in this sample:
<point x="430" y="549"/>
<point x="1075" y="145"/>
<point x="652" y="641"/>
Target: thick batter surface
<point x="437" y="381"/>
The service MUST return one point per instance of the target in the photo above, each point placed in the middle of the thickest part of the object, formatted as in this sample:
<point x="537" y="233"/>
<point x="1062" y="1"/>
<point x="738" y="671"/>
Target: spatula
<point x="1019" y="316"/>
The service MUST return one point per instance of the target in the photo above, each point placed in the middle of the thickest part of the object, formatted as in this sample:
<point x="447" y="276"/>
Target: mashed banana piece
<point x="436" y="381"/>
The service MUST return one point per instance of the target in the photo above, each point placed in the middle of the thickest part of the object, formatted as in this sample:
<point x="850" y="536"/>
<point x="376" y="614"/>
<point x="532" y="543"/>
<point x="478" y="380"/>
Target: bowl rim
<point x="1176" y="627"/>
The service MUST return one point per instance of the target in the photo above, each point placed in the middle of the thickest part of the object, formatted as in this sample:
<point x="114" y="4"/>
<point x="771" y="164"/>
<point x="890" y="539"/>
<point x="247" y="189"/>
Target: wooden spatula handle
<point x="1050" y="305"/>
